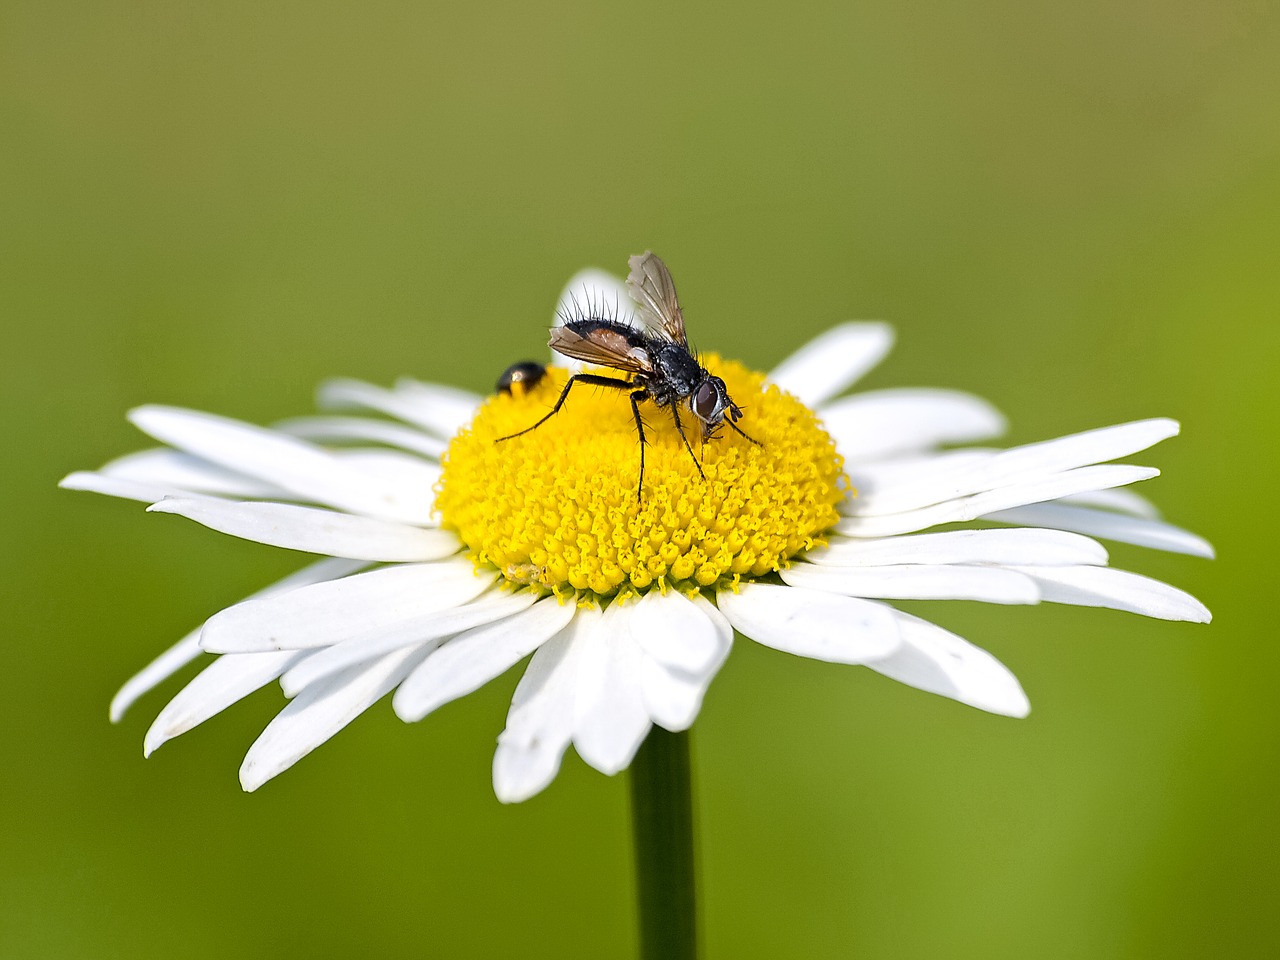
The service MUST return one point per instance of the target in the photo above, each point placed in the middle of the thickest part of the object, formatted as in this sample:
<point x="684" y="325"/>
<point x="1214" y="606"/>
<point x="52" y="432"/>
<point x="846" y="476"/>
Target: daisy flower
<point x="450" y="557"/>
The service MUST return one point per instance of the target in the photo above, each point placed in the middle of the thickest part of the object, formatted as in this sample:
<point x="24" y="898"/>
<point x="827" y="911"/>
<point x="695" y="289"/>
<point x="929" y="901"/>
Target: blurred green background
<point x="1071" y="209"/>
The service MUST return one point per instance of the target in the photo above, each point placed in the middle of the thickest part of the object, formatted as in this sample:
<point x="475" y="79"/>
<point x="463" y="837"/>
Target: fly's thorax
<point x="676" y="374"/>
<point x="556" y="508"/>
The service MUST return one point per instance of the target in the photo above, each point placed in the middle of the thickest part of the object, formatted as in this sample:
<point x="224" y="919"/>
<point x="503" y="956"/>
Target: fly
<point x="654" y="355"/>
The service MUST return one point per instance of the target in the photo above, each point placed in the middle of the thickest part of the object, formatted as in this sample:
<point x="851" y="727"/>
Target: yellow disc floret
<point x="558" y="508"/>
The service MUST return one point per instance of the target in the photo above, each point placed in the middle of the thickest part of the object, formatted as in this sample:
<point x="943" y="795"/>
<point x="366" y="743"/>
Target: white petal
<point x="188" y="648"/>
<point x="810" y="623"/>
<point x="216" y="687"/>
<point x="917" y="582"/>
<point x="934" y="660"/>
<point x="430" y="627"/>
<point x="674" y="631"/>
<point x="300" y="467"/>
<point x="172" y="468"/>
<point x="154" y="673"/>
<point x="981" y="504"/>
<point x="405" y="470"/>
<point x="1107" y="525"/>
<point x="672" y="697"/>
<point x="336" y="429"/>
<point x="832" y="361"/>
<point x="723" y="627"/>
<point x="441" y="410"/>
<point x="1117" y="589"/>
<point x="114" y="487"/>
<point x="319" y="712"/>
<point x="472" y="659"/>
<point x="1025" y="546"/>
<point x="610" y="719"/>
<point x="887" y="474"/>
<point x="540" y="722"/>
<point x="328" y="613"/>
<point x="1124" y="501"/>
<point x="315" y="531"/>
<point x="884" y="423"/>
<point x="1016" y="466"/>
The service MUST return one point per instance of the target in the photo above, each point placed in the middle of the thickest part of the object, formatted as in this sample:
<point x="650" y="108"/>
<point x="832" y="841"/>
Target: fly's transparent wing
<point x="650" y="285"/>
<point x="603" y="345"/>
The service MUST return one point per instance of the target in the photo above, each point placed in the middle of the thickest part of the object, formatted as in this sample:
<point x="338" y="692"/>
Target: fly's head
<point x="711" y="404"/>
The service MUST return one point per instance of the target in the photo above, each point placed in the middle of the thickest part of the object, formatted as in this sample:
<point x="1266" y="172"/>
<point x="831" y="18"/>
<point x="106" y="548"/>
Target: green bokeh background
<point x="1071" y="209"/>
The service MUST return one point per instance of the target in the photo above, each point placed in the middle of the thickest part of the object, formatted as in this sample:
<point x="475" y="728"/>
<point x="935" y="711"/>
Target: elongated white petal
<point x="440" y="410"/>
<point x="125" y="489"/>
<point x="405" y="471"/>
<point x="216" y="687"/>
<point x="724" y="629"/>
<point x="1018" y="465"/>
<point x="832" y="361"/>
<point x="302" y="468"/>
<point x="674" y="631"/>
<point x="937" y="661"/>
<point x="338" y="429"/>
<point x="981" y="504"/>
<point x="328" y="613"/>
<point x="319" y="712"/>
<point x="1118" y="590"/>
<point x="1121" y="527"/>
<point x="473" y="658"/>
<point x="543" y="667"/>
<point x="917" y="582"/>
<point x="154" y="673"/>
<point x="188" y="648"/>
<point x="1123" y="501"/>
<point x="870" y="478"/>
<point x="312" y="530"/>
<point x="1026" y="546"/>
<point x="540" y="722"/>
<point x="610" y="719"/>
<point x="172" y="468"/>
<point x="430" y="627"/>
<point x="810" y="623"/>
<point x="885" y="423"/>
<point x="673" y="697"/>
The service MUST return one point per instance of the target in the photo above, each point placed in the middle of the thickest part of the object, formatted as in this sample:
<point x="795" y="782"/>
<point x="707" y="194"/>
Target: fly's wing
<point x="601" y="345"/>
<point x="650" y="285"/>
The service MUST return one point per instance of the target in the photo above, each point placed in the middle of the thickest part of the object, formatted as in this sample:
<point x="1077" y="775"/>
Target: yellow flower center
<point x="558" y="506"/>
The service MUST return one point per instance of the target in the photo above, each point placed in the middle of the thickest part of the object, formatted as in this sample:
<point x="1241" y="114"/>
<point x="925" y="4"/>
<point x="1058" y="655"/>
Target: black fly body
<point x="654" y="355"/>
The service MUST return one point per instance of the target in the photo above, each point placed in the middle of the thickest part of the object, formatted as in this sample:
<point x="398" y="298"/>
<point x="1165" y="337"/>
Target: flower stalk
<point x="662" y="826"/>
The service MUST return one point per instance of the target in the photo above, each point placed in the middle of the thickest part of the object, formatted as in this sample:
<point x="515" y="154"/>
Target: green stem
<point x="662" y="824"/>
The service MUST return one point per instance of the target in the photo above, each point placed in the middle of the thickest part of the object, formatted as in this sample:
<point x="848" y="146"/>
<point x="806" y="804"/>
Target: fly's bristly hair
<point x="571" y="311"/>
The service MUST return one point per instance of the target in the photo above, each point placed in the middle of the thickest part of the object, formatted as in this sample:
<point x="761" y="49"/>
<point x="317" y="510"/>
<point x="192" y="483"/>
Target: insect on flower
<point x="525" y="375"/>
<point x="655" y="354"/>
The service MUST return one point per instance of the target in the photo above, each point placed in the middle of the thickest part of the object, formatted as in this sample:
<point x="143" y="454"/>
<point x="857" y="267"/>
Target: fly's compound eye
<point x="709" y="399"/>
<point x="520" y="377"/>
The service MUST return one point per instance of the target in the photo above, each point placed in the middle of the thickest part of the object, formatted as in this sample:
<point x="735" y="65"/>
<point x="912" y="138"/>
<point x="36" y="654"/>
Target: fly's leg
<point x="590" y="378"/>
<point x="675" y="413"/>
<point x="636" y="397"/>
<point x="743" y="433"/>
